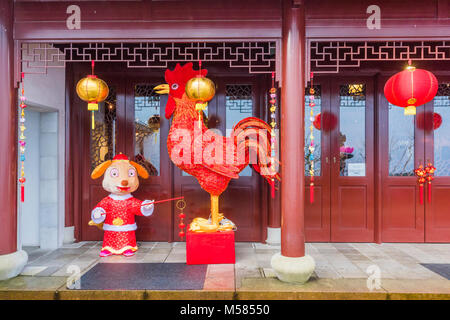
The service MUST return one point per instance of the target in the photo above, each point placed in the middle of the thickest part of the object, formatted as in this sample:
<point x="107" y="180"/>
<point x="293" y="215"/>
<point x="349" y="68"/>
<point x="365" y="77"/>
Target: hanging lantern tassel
<point x="93" y="106"/>
<point x="421" y="192"/>
<point x="430" y="169"/>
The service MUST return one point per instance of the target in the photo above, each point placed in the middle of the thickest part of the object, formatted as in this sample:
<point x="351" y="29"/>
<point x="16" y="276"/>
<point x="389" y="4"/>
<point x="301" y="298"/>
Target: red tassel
<point x="421" y="193"/>
<point x="311" y="193"/>
<point x="429" y="192"/>
<point x="22" y="193"/>
<point x="272" y="189"/>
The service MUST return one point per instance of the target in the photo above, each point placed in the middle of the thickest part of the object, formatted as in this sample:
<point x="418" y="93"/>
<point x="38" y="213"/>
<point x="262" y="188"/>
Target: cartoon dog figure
<point x="117" y="210"/>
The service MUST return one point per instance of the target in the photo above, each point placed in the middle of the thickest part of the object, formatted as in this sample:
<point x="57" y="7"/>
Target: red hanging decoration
<point x="428" y="120"/>
<point x="325" y="121"/>
<point x="181" y="204"/>
<point x="312" y="146"/>
<point x="22" y="138"/>
<point x="273" y="123"/>
<point x="411" y="88"/>
<point x="437" y="120"/>
<point x="429" y="169"/>
<point x="421" y="174"/>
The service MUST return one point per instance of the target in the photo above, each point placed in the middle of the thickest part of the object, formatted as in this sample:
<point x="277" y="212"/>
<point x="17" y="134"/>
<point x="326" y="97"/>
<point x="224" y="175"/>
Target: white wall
<point x="46" y="93"/>
<point x="29" y="210"/>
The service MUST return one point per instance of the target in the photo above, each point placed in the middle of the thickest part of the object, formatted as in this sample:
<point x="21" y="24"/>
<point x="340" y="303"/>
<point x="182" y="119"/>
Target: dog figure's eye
<point x="114" y="173"/>
<point x="174" y="86"/>
<point x="131" y="172"/>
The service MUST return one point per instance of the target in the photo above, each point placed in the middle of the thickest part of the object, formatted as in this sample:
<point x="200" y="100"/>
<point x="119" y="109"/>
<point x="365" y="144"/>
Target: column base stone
<point x="69" y="233"/>
<point x="273" y="236"/>
<point x="293" y="270"/>
<point x="11" y="265"/>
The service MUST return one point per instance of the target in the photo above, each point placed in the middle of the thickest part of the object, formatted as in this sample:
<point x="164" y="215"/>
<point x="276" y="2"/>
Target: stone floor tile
<point x="32" y="270"/>
<point x="176" y="257"/>
<point x="220" y="277"/>
<point x="143" y="244"/>
<point x="154" y="258"/>
<point x="161" y="250"/>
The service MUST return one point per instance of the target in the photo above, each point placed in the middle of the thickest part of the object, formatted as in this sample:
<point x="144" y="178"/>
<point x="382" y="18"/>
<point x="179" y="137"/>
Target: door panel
<point x="317" y="214"/>
<point x="401" y="151"/>
<point x="145" y="130"/>
<point x="437" y="151"/>
<point x="100" y="144"/>
<point x="410" y="142"/>
<point x="352" y="153"/>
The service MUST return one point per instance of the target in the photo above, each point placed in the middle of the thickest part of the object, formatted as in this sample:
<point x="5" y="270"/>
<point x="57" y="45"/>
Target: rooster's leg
<point x="215" y="210"/>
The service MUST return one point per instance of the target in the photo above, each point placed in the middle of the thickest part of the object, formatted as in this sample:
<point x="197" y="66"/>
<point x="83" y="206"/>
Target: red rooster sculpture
<point x="186" y="141"/>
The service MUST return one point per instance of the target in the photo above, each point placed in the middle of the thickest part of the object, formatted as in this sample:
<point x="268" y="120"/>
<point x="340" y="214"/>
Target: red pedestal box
<point x="210" y="248"/>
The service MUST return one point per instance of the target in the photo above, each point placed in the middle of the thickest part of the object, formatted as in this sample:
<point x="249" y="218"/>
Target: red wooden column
<point x="8" y="133"/>
<point x="292" y="265"/>
<point x="11" y="260"/>
<point x="292" y="131"/>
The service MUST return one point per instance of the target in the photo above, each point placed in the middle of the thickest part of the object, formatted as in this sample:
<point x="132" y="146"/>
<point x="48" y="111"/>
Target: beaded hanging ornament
<point x="311" y="146"/>
<point x="22" y="138"/>
<point x="273" y="123"/>
<point x="181" y="204"/>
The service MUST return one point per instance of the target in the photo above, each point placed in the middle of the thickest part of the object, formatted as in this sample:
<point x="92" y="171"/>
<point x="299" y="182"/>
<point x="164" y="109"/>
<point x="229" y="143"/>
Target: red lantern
<point x="424" y="121"/>
<point x="437" y="120"/>
<point x="325" y="120"/>
<point x="411" y="88"/>
<point x="316" y="121"/>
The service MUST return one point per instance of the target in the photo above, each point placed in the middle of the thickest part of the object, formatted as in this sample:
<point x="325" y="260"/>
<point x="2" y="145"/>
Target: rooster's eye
<point x="174" y="86"/>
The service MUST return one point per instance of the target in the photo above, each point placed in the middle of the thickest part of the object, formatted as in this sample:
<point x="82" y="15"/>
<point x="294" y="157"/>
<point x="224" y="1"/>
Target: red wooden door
<point x="145" y="142"/>
<point x="97" y="145"/>
<point x="401" y="150"/>
<point x="437" y="152"/>
<point x="405" y="143"/>
<point x="317" y="213"/>
<point x="343" y="207"/>
<point x="352" y="160"/>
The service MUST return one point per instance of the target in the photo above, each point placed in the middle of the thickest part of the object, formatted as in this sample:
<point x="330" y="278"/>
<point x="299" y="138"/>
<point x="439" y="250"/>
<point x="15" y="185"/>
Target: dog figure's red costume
<point x="117" y="211"/>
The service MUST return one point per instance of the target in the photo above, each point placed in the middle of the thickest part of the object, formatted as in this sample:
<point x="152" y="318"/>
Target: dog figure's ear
<point x="140" y="170"/>
<point x="100" y="169"/>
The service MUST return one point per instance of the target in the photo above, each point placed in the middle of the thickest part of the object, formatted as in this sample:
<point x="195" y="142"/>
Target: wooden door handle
<point x="326" y="159"/>
<point x="334" y="159"/>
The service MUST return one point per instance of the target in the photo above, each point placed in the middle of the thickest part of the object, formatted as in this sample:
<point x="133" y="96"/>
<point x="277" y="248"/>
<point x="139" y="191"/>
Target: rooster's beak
<point x="162" y="89"/>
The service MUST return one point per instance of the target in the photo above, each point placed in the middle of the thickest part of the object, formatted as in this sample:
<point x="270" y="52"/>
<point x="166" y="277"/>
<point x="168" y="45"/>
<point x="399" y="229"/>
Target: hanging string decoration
<point x="22" y="138"/>
<point x="181" y="204"/>
<point x="311" y="146"/>
<point x="273" y="123"/>
<point x="93" y="90"/>
<point x="429" y="169"/>
<point x="421" y="174"/>
<point x="201" y="90"/>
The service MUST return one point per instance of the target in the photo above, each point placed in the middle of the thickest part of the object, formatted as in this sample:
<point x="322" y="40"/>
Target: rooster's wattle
<point x="211" y="158"/>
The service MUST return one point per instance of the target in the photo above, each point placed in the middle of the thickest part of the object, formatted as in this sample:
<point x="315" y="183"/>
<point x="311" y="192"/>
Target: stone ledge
<point x="12" y="264"/>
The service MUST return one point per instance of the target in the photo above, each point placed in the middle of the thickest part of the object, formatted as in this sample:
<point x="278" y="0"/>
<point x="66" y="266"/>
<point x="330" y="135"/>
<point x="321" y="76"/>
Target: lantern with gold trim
<point x="411" y="88"/>
<point x="93" y="90"/>
<point x="201" y="90"/>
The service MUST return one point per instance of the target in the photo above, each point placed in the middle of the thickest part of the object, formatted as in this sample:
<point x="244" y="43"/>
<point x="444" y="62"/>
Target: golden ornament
<point x="92" y="90"/>
<point x="117" y="222"/>
<point x="201" y="90"/>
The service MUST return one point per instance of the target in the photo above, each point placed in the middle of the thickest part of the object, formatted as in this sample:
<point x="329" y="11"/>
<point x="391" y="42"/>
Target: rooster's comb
<point x="183" y="73"/>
